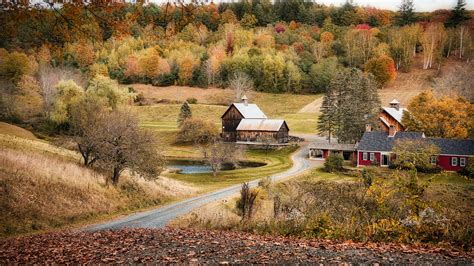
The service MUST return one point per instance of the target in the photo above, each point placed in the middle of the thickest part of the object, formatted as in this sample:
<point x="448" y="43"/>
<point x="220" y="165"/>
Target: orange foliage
<point x="383" y="69"/>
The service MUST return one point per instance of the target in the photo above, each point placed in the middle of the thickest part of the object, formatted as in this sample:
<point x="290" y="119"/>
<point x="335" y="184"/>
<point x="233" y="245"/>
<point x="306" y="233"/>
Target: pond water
<point x="200" y="167"/>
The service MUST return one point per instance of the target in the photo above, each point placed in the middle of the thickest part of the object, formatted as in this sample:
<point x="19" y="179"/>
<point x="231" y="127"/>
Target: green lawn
<point x="277" y="161"/>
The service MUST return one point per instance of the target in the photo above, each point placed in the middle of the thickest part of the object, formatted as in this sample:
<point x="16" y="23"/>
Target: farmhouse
<point x="375" y="148"/>
<point x="245" y="122"/>
<point x="391" y="116"/>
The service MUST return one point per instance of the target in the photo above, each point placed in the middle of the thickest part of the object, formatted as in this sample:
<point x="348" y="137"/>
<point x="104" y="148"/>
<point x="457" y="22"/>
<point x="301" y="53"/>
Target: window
<point x="454" y="161"/>
<point x="433" y="159"/>
<point x="462" y="162"/>
<point x="372" y="157"/>
<point x="364" y="156"/>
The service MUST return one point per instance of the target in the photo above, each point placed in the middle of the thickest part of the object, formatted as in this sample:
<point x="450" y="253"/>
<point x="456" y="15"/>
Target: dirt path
<point x="160" y="217"/>
<point x="132" y="246"/>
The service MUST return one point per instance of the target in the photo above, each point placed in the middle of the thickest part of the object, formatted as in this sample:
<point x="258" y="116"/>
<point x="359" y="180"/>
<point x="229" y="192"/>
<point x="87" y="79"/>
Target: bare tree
<point x="217" y="153"/>
<point x="49" y="77"/>
<point x="125" y="146"/>
<point x="86" y="121"/>
<point x="242" y="84"/>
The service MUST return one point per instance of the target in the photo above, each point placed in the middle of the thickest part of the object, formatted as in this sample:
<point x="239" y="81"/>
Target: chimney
<point x="392" y="131"/>
<point x="245" y="100"/>
<point x="368" y="128"/>
<point x="395" y="104"/>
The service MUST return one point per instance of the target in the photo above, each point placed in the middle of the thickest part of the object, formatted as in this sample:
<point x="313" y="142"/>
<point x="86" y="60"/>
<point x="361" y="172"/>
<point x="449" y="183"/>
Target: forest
<point x="290" y="46"/>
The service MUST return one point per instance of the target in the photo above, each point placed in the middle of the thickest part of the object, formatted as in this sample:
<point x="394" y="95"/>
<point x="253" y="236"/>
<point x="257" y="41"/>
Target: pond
<point x="200" y="167"/>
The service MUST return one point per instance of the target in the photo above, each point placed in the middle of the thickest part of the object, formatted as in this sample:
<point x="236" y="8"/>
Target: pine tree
<point x="406" y="13"/>
<point x="459" y="14"/>
<point x="184" y="113"/>
<point x="326" y="121"/>
<point x="350" y="104"/>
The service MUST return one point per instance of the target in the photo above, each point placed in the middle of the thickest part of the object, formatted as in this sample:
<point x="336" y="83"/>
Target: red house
<point x="375" y="148"/>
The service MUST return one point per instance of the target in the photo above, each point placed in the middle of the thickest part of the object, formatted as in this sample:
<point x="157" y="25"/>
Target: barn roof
<point x="260" y="124"/>
<point x="249" y="110"/>
<point x="397" y="114"/>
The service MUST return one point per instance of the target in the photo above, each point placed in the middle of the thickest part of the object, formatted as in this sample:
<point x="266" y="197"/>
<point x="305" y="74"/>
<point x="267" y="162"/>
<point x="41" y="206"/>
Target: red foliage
<point x="299" y="47"/>
<point x="279" y="28"/>
<point x="363" y="27"/>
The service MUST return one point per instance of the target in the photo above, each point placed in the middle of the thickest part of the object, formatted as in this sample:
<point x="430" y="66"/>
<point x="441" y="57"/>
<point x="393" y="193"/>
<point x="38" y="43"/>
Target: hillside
<point x="45" y="187"/>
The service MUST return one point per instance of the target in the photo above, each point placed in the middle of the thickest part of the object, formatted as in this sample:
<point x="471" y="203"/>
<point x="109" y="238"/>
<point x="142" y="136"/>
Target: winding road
<point x="160" y="217"/>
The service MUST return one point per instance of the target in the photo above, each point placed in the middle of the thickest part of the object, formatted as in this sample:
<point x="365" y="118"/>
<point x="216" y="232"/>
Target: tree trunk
<point x="116" y="175"/>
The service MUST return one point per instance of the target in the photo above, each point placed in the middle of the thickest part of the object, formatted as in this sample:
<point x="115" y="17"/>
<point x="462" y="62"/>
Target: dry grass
<point x="43" y="191"/>
<point x="9" y="129"/>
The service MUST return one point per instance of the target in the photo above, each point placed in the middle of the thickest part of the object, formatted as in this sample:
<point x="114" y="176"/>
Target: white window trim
<point x="462" y="161"/>
<point x="372" y="157"/>
<point x="364" y="156"/>
<point x="454" y="161"/>
<point x="433" y="159"/>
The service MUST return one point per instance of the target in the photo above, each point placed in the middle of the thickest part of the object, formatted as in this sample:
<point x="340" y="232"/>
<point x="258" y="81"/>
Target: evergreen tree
<point x="350" y="104"/>
<point x="184" y="113"/>
<point x="459" y="14"/>
<point x="406" y="13"/>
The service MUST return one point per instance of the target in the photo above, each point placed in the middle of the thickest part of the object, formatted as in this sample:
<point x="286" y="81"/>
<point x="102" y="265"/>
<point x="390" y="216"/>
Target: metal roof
<point x="397" y="114"/>
<point x="250" y="110"/>
<point x="333" y="146"/>
<point x="260" y="125"/>
<point x="394" y="101"/>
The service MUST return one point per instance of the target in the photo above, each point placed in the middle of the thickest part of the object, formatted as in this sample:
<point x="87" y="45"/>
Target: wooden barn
<point x="391" y="117"/>
<point x="245" y="122"/>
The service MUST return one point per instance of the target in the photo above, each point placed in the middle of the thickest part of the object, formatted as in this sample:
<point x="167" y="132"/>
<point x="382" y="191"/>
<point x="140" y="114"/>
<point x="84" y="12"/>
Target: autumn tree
<point x="403" y="43"/>
<point x="108" y="90"/>
<point x="68" y="93"/>
<point x="359" y="44"/>
<point x="443" y="117"/>
<point x="27" y="98"/>
<point x="433" y="40"/>
<point x="14" y="65"/>
<point x="196" y="131"/>
<point x="382" y="68"/>
<point x="184" y="113"/>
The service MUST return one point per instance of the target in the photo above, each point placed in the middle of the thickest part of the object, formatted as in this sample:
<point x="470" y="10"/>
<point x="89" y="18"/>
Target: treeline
<point x="289" y="46"/>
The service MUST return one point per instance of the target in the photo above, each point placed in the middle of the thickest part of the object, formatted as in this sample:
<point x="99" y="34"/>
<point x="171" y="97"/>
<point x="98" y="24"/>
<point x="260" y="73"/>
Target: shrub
<point x="334" y="162"/>
<point x="265" y="182"/>
<point x="195" y="130"/>
<point x="192" y="100"/>
<point x="468" y="171"/>
<point x="247" y="201"/>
